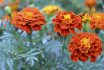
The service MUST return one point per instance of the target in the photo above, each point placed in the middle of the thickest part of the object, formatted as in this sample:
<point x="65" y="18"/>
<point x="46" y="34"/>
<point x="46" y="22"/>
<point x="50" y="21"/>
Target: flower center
<point x="85" y="42"/>
<point x="86" y="17"/>
<point x="28" y="14"/>
<point x="67" y="17"/>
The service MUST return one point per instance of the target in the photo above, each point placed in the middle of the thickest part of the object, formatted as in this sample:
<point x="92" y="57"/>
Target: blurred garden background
<point x="43" y="48"/>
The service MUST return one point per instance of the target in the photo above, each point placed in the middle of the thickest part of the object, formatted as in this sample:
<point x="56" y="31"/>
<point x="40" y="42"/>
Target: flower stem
<point x="63" y="46"/>
<point x="86" y="27"/>
<point x="84" y="66"/>
<point x="30" y="39"/>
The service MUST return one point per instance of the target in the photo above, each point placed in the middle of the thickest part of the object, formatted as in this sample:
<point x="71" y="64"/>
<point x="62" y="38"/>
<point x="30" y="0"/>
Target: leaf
<point x="3" y="66"/>
<point x="10" y="64"/>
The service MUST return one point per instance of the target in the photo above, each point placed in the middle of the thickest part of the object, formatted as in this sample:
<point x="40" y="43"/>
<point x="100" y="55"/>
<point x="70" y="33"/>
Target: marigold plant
<point x="97" y="21"/>
<point x="28" y="19"/>
<point x="66" y="22"/>
<point x="84" y="46"/>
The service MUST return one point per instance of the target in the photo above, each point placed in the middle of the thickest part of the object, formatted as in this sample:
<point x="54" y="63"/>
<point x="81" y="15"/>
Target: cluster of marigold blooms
<point x="83" y="45"/>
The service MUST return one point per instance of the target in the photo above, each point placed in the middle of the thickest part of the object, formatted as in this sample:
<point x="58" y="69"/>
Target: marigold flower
<point x="90" y="3"/>
<point x="84" y="46"/>
<point x="97" y="21"/>
<point x="28" y="19"/>
<point x="13" y="6"/>
<point x="66" y="22"/>
<point x="51" y="9"/>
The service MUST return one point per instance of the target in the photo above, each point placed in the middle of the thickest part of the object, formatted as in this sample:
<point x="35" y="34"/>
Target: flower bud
<point x="31" y="5"/>
<point x="8" y="10"/>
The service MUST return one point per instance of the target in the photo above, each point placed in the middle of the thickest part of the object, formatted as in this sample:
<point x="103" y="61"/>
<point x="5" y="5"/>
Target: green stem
<point x="41" y="33"/>
<point x="86" y="27"/>
<point x="84" y="66"/>
<point x="63" y="46"/>
<point x="30" y="39"/>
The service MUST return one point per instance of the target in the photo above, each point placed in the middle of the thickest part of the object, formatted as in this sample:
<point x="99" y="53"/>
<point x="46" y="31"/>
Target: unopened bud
<point x="8" y="10"/>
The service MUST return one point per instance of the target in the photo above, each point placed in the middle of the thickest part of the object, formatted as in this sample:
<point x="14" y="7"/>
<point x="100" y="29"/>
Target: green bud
<point x="86" y="27"/>
<point x="8" y="10"/>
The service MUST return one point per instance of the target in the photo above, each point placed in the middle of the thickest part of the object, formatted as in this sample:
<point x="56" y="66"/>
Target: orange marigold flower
<point x="28" y="19"/>
<point x="90" y="3"/>
<point x="66" y="22"/>
<point x="1" y="1"/>
<point x="97" y="21"/>
<point x="84" y="46"/>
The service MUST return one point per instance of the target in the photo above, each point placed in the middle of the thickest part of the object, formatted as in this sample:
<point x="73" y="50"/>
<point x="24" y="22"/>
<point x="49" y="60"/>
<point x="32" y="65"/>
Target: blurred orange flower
<point x="1" y="1"/>
<point x="28" y="19"/>
<point x="90" y="3"/>
<point x="14" y="5"/>
<point x="84" y="46"/>
<point x="97" y="21"/>
<point x="66" y="22"/>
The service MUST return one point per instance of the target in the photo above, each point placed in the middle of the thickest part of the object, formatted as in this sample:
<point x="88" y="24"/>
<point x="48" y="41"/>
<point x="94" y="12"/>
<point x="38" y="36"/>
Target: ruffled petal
<point x="74" y="57"/>
<point x="64" y="32"/>
<point x="36" y="27"/>
<point x="93" y="59"/>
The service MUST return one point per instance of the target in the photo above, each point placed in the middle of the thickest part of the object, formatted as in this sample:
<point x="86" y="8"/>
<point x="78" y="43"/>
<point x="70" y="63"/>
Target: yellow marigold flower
<point x="14" y="5"/>
<point x="51" y="9"/>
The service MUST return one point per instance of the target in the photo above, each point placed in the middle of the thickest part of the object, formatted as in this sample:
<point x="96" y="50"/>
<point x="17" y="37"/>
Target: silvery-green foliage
<point x="11" y="51"/>
<point x="101" y="35"/>
<point x="7" y="46"/>
<point x="52" y="59"/>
